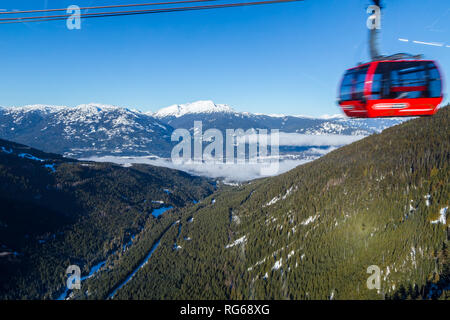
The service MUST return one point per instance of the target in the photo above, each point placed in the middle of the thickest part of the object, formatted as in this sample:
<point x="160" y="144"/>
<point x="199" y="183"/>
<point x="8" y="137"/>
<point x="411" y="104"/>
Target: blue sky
<point x="283" y="58"/>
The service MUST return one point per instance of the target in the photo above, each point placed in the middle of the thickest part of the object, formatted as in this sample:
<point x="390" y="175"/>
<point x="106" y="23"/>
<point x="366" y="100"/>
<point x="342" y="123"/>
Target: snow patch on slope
<point x="236" y="242"/>
<point x="309" y="220"/>
<point x="442" y="216"/>
<point x="276" y="199"/>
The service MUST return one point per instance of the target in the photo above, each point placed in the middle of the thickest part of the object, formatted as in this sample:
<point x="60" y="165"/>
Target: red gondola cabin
<point x="391" y="88"/>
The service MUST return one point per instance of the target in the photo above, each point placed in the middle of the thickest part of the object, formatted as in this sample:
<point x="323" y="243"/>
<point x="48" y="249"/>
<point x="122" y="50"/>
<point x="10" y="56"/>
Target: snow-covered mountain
<point x="198" y="107"/>
<point x="98" y="130"/>
<point x="85" y="130"/>
<point x="221" y="116"/>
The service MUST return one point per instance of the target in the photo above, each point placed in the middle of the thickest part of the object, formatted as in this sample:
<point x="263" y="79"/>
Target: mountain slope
<point x="311" y="233"/>
<point x="56" y="211"/>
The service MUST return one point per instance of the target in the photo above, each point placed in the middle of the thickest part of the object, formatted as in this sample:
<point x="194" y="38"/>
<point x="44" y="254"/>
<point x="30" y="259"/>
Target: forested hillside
<point x="311" y="233"/>
<point x="55" y="212"/>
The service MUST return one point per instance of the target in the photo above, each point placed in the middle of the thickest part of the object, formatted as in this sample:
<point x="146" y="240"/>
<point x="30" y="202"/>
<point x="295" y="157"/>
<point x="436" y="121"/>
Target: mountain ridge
<point x="94" y="129"/>
<point x="195" y="107"/>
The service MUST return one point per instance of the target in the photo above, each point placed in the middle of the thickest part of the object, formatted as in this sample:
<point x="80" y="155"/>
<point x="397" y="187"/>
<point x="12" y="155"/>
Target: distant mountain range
<point x="223" y="117"/>
<point x="85" y="130"/>
<point x="99" y="130"/>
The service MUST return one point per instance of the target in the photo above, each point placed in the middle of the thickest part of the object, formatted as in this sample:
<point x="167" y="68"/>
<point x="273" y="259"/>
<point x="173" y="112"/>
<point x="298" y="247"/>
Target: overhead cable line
<point x="138" y="12"/>
<point x="109" y="7"/>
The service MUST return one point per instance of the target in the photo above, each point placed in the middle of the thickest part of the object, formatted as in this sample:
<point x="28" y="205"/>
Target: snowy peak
<point x="206" y="106"/>
<point x="46" y="109"/>
<point x="96" y="107"/>
<point x="42" y="108"/>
